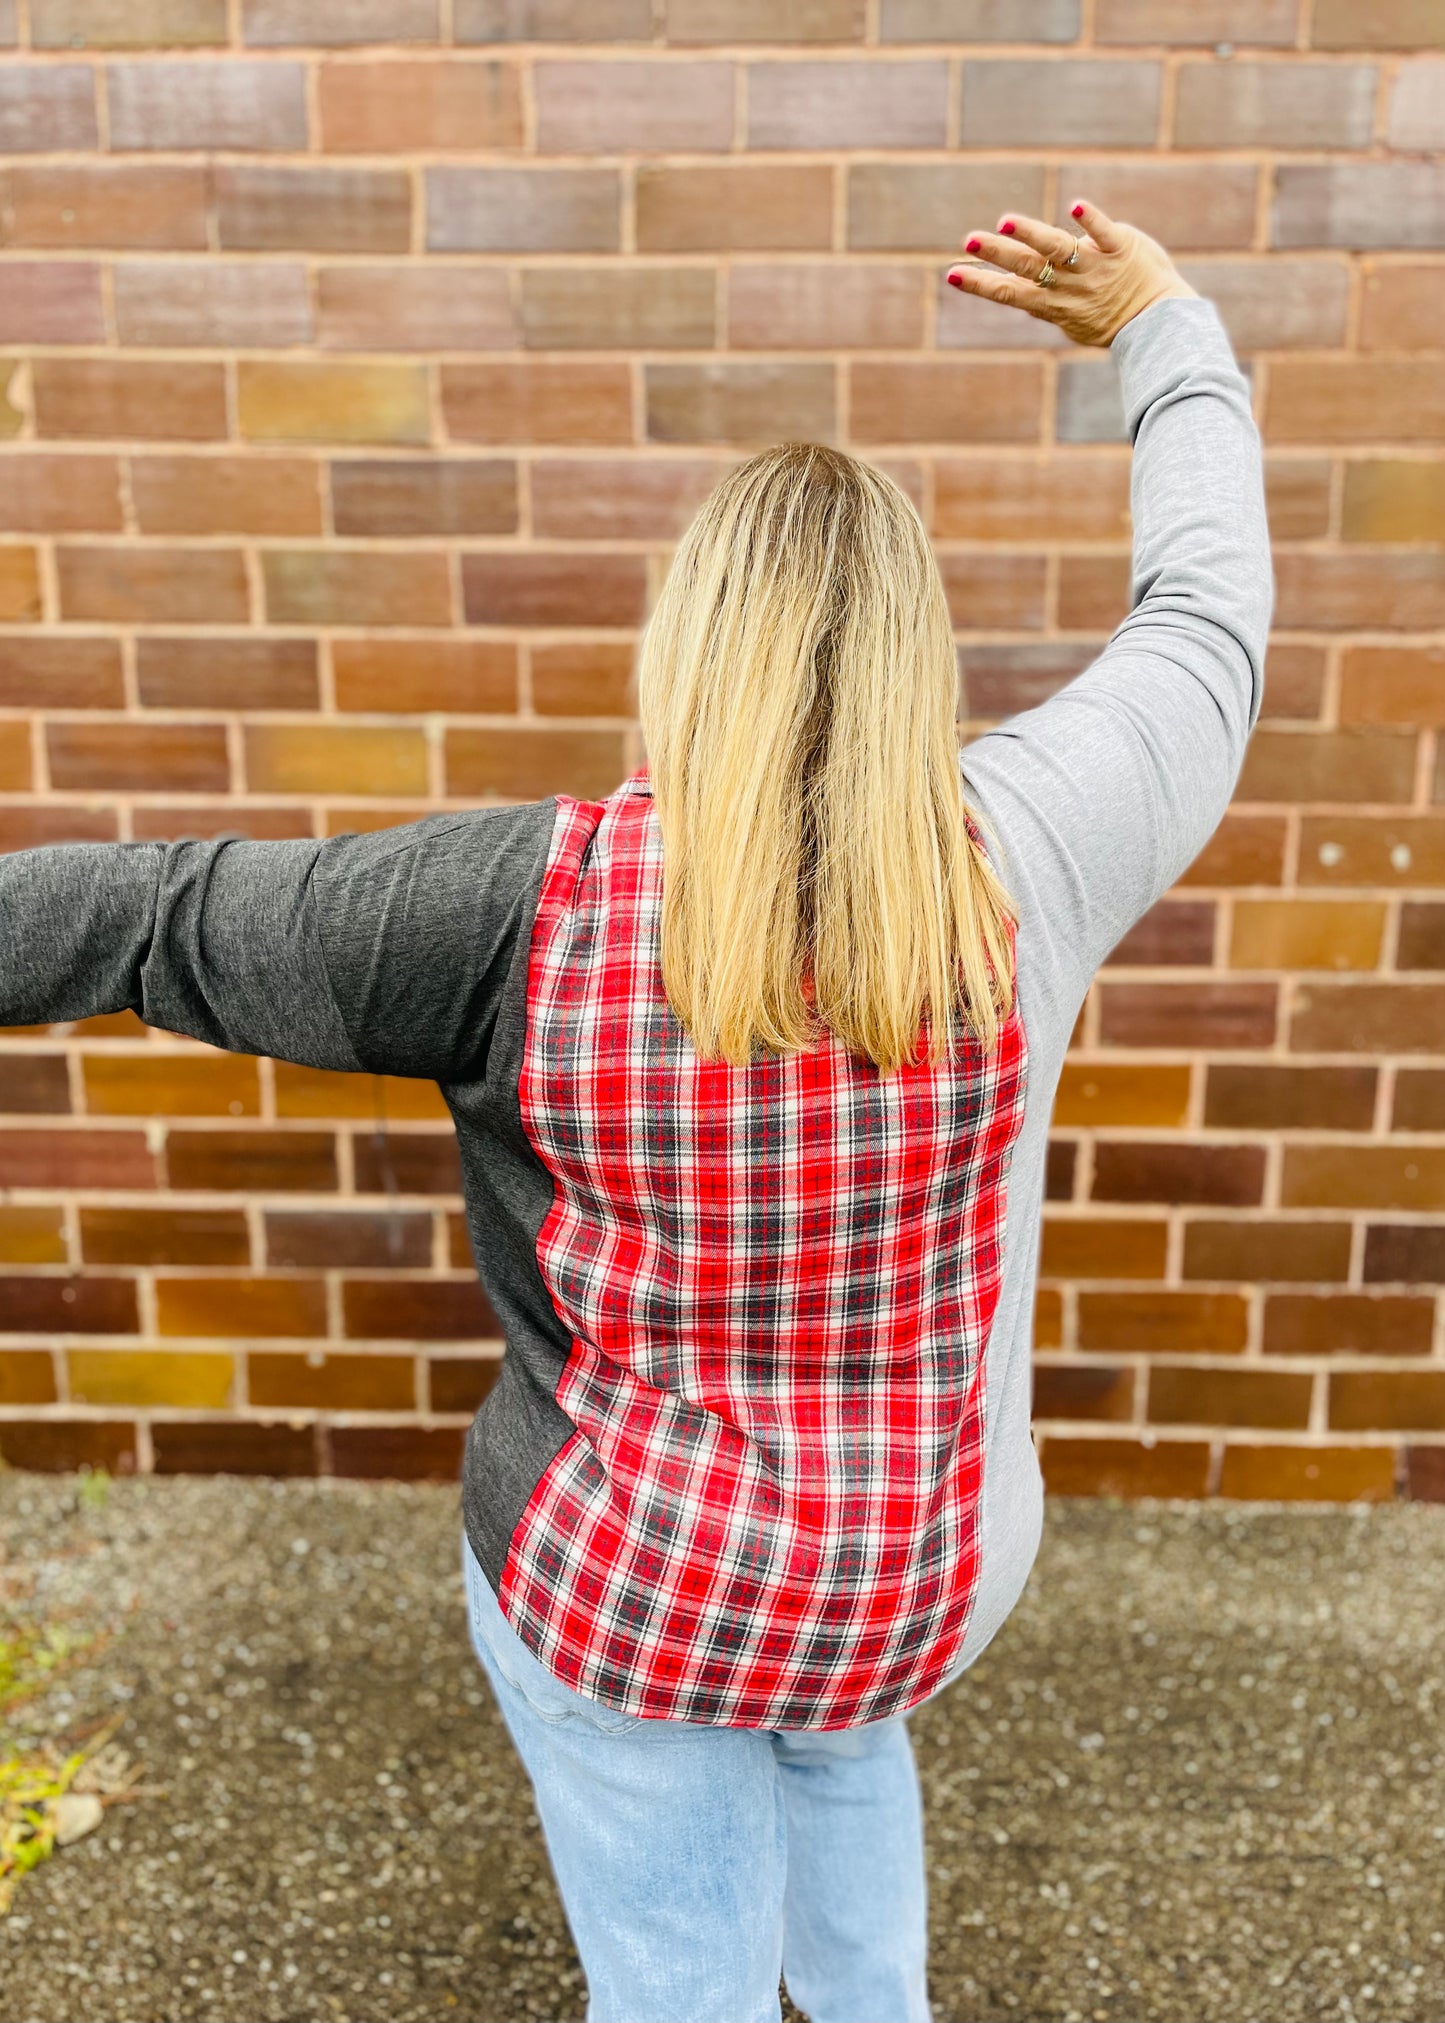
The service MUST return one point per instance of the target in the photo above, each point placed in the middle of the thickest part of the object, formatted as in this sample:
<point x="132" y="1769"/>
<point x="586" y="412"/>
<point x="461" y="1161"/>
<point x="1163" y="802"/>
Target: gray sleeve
<point x="384" y="951"/>
<point x="1111" y="788"/>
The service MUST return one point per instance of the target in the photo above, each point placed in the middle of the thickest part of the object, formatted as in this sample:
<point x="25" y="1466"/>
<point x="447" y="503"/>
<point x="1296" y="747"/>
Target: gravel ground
<point x="1200" y="1774"/>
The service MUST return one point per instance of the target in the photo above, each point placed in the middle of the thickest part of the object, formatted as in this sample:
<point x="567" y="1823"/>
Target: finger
<point x="1106" y="235"/>
<point x="1003" y="252"/>
<point x="1050" y="241"/>
<point x="983" y="281"/>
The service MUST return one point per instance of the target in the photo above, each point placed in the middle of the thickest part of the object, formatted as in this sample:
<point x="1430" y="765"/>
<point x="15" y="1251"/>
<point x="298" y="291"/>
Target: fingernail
<point x="974" y="246"/>
<point x="1007" y="228"/>
<point x="1077" y="212"/>
<point x="955" y="280"/>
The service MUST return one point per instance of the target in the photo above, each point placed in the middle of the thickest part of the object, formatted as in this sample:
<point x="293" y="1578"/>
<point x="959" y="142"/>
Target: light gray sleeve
<point x="1110" y="789"/>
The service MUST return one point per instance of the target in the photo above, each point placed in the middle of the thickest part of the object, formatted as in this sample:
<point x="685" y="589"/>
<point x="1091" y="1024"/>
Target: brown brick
<point x="461" y="677"/>
<point x="1405" y="1253"/>
<point x="1398" y="850"/>
<point x="543" y="210"/>
<point x="1264" y="22"/>
<point x="1402" y="308"/>
<point x="15" y="759"/>
<point x="1415" y="120"/>
<point x="1082" y="1391"/>
<point x="323" y="402"/>
<point x="76" y="1158"/>
<point x="1072" y="102"/>
<point x="163" y="1236"/>
<point x="407" y="1162"/>
<point x="979" y="21"/>
<point x="825" y="305"/>
<point x="397" y="1453"/>
<point x="1048" y="1319"/>
<point x="1422" y="936"/>
<point x="260" y="1162"/>
<point x="68" y="1305"/>
<point x="1226" y="1015"/>
<point x="1275" y="302"/>
<point x="334" y="759"/>
<point x="633" y="106"/>
<point x="1061" y="1169"/>
<point x="930" y="206"/>
<point x="1173" y="932"/>
<point x="59" y="494"/>
<point x="1309" y="1474"/>
<point x="206" y="673"/>
<point x="417" y="1310"/>
<point x="59" y="1446"/>
<point x="1188" y="206"/>
<point x="321" y="1092"/>
<point x="1363" y="1176"/>
<point x="161" y="821"/>
<point x="1219" y="1176"/>
<point x="1297" y="502"/>
<point x="1176" y="1323"/>
<point x="1425" y="1473"/>
<point x="1359" y="205"/>
<point x="1269" y="1098"/>
<point x="614" y="308"/>
<point x="538" y="400"/>
<point x="553" y="20"/>
<point x="525" y="764"/>
<point x="324" y="1240"/>
<point x="33" y="1237"/>
<point x="26" y="827"/>
<point x="1377" y="24"/>
<point x="228" y="103"/>
<point x="1125" y="1468"/>
<point x="744" y="403"/>
<point x="1093" y="1093"/>
<point x="45" y="108"/>
<point x="164" y="586"/>
<point x="61" y="673"/>
<point x="51" y="302"/>
<point x="1244" y="850"/>
<point x="333" y="1383"/>
<point x="590" y="677"/>
<point x="955" y="400"/>
<point x="215" y="303"/>
<point x="1222" y="104"/>
<point x="126" y="24"/>
<point x="1362" y="1401"/>
<point x="1103" y="1247"/>
<point x="27" y="1377"/>
<point x="1365" y="400"/>
<point x="1264" y="1252"/>
<point x="319" y="586"/>
<point x="763" y="20"/>
<point x="296" y="23"/>
<point x="1074" y="495"/>
<point x="1393" y="499"/>
<point x="264" y="209"/>
<point x="867" y="104"/>
<point x="170" y="1085"/>
<point x="1313" y="934"/>
<point x="1392" y="685"/>
<point x="1341" y="766"/>
<point x="396" y="104"/>
<point x="1194" y="1397"/>
<point x="1005" y="591"/>
<point x="188" y="758"/>
<point x="20" y="594"/>
<point x="74" y="206"/>
<point x="459" y="1383"/>
<point x="1369" y="1018"/>
<point x="633" y="498"/>
<point x="240" y="1306"/>
<point x="150" y="1377"/>
<point x="424" y="496"/>
<point x="557" y="587"/>
<point x="734" y="207"/>
<point x="35" y="1084"/>
<point x="226" y="495"/>
<point x="226" y="1447"/>
<point x="129" y="397"/>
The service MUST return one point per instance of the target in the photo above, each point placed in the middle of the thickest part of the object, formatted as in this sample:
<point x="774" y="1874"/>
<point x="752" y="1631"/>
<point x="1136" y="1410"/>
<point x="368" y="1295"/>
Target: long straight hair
<point x="797" y="691"/>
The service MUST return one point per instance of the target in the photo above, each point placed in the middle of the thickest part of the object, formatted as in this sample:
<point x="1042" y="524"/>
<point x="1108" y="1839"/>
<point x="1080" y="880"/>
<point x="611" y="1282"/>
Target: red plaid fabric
<point x="778" y="1280"/>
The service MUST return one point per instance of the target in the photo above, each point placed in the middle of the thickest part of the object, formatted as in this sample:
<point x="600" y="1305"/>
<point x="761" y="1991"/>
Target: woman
<point x="753" y="1151"/>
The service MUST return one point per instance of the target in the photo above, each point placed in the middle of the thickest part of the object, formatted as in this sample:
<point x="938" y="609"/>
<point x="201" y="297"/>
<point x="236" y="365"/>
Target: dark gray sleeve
<point x="1112" y="787"/>
<point x="384" y="951"/>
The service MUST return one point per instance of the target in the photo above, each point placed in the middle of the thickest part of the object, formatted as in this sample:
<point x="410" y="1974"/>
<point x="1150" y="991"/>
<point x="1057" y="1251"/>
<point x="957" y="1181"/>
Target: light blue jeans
<point x="697" y="1862"/>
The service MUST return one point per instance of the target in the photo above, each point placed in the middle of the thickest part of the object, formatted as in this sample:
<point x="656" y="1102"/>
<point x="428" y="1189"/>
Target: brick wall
<point x="359" y="359"/>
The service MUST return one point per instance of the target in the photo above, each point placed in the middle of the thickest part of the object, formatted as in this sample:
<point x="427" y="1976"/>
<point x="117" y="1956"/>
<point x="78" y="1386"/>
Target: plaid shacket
<point x="778" y="1281"/>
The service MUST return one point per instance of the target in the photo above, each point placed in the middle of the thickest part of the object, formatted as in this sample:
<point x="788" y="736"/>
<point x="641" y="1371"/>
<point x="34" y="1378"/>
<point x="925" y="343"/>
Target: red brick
<point x="27" y="827"/>
<point x="46" y="108"/>
<point x="68" y="1305"/>
<point x="632" y="499"/>
<point x="451" y="496"/>
<point x="1219" y="1176"/>
<point x="1422" y="937"/>
<point x="129" y="397"/>
<point x="589" y="677"/>
<point x="1404" y="1018"/>
<point x="1174" y="1323"/>
<point x="544" y="210"/>
<point x="161" y="821"/>
<point x="537" y="400"/>
<point x="1010" y="592"/>
<point x="1363" y="1176"/>
<point x="1274" y="302"/>
<point x="553" y="588"/>
<point x="1224" y="1015"/>
<point x="1405" y="1253"/>
<point x="1392" y="685"/>
<point x="1187" y="206"/>
<point x="414" y="309"/>
<point x="319" y="1239"/>
<point x="1340" y="766"/>
<point x="34" y="1083"/>
<point x="739" y="206"/>
<point x="226" y="1447"/>
<point x="406" y="1162"/>
<point x="215" y="303"/>
<point x="1082" y="1391"/>
<point x="1309" y="1474"/>
<point x="296" y="23"/>
<point x="226" y="495"/>
<point x="125" y="24"/>
<point x="1297" y="502"/>
<point x="524" y="764"/>
<point x="1393" y="851"/>
<point x="338" y="586"/>
<point x="1193" y="1397"/>
<point x="123" y="206"/>
<point x="1266" y="1252"/>
<point x="163" y="1236"/>
<point x="459" y="1383"/>
<point x="614" y="308"/>
<point x="1174" y="932"/>
<point x="51" y="302"/>
<point x="824" y="305"/>
<point x="1425" y="1473"/>
<point x="1270" y="1098"/>
<point x="1020" y="102"/>
<point x="333" y="1383"/>
<point x="1223" y="104"/>
<point x="396" y="104"/>
<point x="1402" y="308"/>
<point x="417" y="1310"/>
<point x="1072" y="496"/>
<point x="953" y="400"/>
<point x="59" y="1446"/>
<point x="262" y="1162"/>
<point x="61" y="673"/>
<point x="1125" y="1468"/>
<point x="397" y="1453"/>
<point x="261" y="209"/>
<point x="1244" y="850"/>
<point x="633" y="106"/>
<point x="1061" y="1169"/>
<point x="461" y="677"/>
<point x="163" y="586"/>
<point x="927" y="206"/>
<point x="208" y="673"/>
<point x="744" y="403"/>
<point x="1348" y="400"/>
<point x="42" y="493"/>
<point x="229" y="103"/>
<point x="1364" y="1401"/>
<point x="856" y="104"/>
<point x="145" y="758"/>
<point x="1359" y="204"/>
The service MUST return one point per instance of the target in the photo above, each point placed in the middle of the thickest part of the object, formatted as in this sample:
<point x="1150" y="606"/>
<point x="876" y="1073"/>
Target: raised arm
<point x="382" y="951"/>
<point x="1110" y="788"/>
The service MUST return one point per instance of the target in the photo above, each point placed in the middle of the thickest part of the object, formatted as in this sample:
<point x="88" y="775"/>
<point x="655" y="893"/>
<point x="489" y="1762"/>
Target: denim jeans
<point x="695" y="1862"/>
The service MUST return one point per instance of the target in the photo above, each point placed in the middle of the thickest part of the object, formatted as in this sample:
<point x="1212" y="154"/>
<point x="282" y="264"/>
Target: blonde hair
<point x="797" y="692"/>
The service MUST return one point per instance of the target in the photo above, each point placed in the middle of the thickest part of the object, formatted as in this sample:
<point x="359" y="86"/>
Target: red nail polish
<point x="1077" y="212"/>
<point x="955" y="280"/>
<point x="973" y="246"/>
<point x="1007" y="228"/>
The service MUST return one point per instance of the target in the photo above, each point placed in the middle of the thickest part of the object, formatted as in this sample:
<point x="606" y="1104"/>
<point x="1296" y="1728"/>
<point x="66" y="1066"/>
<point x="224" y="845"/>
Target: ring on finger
<point x="1046" y="275"/>
<point x="1073" y="257"/>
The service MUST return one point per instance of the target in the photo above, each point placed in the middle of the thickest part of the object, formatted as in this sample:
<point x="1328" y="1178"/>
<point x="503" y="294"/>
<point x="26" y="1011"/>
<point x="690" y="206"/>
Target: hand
<point x="1119" y="271"/>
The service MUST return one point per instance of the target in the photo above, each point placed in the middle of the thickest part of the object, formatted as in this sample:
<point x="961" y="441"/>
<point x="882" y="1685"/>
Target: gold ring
<point x="1045" y="279"/>
<point x="1075" y="254"/>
